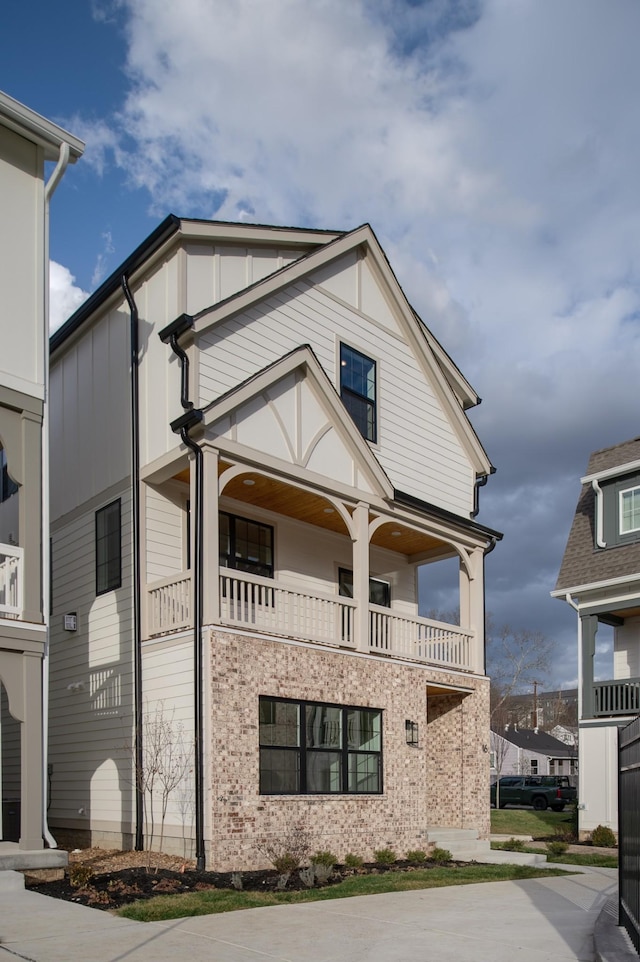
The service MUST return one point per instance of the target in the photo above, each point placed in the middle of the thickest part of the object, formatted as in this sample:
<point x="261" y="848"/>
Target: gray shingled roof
<point x="541" y="742"/>
<point x="583" y="563"/>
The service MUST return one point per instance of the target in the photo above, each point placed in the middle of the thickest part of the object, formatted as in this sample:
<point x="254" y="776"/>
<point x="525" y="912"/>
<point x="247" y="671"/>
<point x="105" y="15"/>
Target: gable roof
<point x="583" y="563"/>
<point x="453" y="390"/>
<point x="537" y="741"/>
<point x="32" y="126"/>
<point x="303" y="359"/>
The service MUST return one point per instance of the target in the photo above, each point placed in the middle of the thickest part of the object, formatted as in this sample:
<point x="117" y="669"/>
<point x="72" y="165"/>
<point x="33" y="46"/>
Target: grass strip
<point x="516" y="821"/>
<point x="213" y="901"/>
<point x="592" y="859"/>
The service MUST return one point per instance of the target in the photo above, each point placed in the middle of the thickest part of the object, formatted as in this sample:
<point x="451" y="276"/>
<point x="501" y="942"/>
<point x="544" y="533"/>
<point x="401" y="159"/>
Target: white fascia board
<point x="597" y="585"/>
<point x="32" y="126"/>
<point x="227" y="232"/>
<point x="611" y="472"/>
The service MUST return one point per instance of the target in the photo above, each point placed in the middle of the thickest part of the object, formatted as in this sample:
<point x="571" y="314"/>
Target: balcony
<point x="265" y="605"/>
<point x="11" y="581"/>
<point x="621" y="697"/>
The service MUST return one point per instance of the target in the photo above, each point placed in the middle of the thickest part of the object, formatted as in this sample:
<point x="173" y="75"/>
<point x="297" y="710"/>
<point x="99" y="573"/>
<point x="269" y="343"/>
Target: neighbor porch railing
<point x="621" y="697"/>
<point x="11" y="581"/>
<point x="263" y="604"/>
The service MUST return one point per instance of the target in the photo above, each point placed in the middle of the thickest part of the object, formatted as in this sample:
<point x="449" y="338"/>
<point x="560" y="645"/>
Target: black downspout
<point x="481" y="480"/>
<point x="183" y="425"/>
<point x="135" y="512"/>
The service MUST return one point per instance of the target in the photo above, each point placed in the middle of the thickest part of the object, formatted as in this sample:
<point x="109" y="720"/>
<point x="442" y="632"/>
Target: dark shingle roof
<point x="539" y="741"/>
<point x="583" y="563"/>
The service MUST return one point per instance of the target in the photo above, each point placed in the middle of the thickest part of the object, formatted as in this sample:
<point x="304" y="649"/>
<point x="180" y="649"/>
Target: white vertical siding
<point x="91" y="700"/>
<point x="626" y="649"/>
<point x="418" y="447"/>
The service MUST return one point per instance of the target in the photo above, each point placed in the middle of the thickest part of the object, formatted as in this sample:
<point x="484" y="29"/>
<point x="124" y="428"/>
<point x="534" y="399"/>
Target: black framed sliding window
<point x="358" y="390"/>
<point x="310" y="748"/>
<point x="108" y="548"/>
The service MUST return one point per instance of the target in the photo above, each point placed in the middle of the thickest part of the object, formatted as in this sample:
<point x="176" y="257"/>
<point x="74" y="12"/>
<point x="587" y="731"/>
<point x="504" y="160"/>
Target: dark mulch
<point x="111" y="890"/>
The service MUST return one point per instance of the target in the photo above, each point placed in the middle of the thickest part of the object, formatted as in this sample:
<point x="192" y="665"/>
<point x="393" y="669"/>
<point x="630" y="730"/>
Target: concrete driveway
<point x="530" y="921"/>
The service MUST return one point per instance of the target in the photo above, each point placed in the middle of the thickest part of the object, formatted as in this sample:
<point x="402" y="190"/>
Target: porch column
<point x="589" y="628"/>
<point x="31" y="755"/>
<point x="476" y="612"/>
<point x="210" y="560"/>
<point x="361" y="575"/>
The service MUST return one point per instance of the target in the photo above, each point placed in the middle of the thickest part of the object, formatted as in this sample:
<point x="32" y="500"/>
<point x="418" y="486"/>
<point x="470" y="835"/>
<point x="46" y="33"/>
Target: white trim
<point x="36" y="128"/>
<point x="635" y="487"/>
<point x="600" y="542"/>
<point x="594" y="585"/>
<point x="611" y="472"/>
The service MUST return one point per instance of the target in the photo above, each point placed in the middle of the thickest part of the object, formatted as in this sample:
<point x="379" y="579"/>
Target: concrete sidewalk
<point x="529" y="921"/>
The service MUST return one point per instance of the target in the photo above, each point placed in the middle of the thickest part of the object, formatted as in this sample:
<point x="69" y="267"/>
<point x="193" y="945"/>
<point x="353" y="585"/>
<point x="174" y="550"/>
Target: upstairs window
<point x="246" y="545"/>
<point x="108" y="548"/>
<point x="379" y="591"/>
<point x="630" y="510"/>
<point x="358" y="390"/>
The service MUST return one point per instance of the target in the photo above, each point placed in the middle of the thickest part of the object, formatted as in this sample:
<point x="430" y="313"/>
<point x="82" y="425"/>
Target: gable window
<point x="358" y="389"/>
<point x="309" y="748"/>
<point x="630" y="510"/>
<point x="246" y="545"/>
<point x="108" y="548"/>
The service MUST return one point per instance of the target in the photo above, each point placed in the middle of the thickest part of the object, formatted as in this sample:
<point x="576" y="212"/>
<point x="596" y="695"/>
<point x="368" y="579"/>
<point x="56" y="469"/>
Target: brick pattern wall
<point x="443" y="781"/>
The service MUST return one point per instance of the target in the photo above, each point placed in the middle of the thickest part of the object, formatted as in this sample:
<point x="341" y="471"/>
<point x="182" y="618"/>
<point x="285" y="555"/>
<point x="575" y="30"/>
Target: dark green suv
<point x="539" y="791"/>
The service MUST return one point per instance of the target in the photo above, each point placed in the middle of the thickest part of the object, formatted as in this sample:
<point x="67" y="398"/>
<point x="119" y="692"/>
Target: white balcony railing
<point x="11" y="581"/>
<point x="263" y="604"/>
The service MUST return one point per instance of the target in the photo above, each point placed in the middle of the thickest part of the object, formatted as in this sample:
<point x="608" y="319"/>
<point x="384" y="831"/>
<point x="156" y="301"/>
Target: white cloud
<point x="64" y="295"/>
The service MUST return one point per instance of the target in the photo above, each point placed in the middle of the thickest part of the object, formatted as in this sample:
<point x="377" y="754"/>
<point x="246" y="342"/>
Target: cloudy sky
<point x="492" y="144"/>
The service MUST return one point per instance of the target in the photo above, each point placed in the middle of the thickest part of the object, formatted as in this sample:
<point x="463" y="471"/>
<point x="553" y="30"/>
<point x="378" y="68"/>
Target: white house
<point x="600" y="578"/>
<point x="238" y="518"/>
<point x="529" y="751"/>
<point x="27" y="141"/>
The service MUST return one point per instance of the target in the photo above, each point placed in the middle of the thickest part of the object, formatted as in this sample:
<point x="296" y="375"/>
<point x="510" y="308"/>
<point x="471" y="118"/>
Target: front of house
<point x="238" y="520"/>
<point x="600" y="578"/>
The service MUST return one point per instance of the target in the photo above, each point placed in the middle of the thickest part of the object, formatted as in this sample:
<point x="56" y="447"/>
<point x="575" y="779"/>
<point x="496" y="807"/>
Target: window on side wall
<point x="358" y="390"/>
<point x="246" y="545"/>
<point x="108" y="548"/>
<point x="629" y="510"/>
<point x="310" y="748"/>
<point x="534" y="766"/>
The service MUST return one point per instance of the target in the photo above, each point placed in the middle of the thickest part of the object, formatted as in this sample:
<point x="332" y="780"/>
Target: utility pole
<point x="535" y="705"/>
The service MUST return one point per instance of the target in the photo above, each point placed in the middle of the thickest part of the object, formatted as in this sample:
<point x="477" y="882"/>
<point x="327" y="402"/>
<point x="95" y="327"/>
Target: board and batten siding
<point x="418" y="447"/>
<point x="89" y="414"/>
<point x="91" y="682"/>
<point x="626" y="649"/>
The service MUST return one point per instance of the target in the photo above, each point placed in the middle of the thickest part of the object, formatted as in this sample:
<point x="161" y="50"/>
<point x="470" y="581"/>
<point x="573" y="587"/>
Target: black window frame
<point x="362" y="409"/>
<point x="103" y="543"/>
<point x="344" y="593"/>
<point x="303" y="752"/>
<point x="229" y="560"/>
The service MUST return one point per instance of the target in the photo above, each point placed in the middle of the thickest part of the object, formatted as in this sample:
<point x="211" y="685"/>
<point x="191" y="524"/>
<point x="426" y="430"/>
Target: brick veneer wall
<point x="449" y="758"/>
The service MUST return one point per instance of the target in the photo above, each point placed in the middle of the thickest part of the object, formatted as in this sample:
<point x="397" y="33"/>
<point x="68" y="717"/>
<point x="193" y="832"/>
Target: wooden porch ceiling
<point x="286" y="499"/>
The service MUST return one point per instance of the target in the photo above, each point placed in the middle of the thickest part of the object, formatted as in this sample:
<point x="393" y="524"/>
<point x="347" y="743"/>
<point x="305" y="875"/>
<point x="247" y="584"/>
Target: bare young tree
<point x="516" y="658"/>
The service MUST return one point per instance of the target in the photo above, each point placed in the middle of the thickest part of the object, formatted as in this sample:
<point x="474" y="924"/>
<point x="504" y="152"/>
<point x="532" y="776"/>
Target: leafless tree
<point x="516" y="657"/>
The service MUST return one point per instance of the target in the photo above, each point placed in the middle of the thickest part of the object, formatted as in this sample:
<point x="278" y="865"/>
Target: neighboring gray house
<point x="528" y="751"/>
<point x="600" y="579"/>
<point x="27" y="140"/>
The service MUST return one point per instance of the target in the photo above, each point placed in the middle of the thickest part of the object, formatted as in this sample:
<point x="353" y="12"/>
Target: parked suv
<point x="540" y="791"/>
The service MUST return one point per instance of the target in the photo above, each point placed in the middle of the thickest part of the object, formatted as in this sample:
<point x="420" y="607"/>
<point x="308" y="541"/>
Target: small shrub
<point x="513" y="845"/>
<point x="557" y="847"/>
<point x="286" y="863"/>
<point x="308" y="876"/>
<point x="384" y="856"/>
<point x="440" y="855"/>
<point x="79" y="875"/>
<point x="603" y="837"/>
<point x="353" y="861"/>
<point x="416" y="855"/>
<point x="324" y="858"/>
<point x="288" y="852"/>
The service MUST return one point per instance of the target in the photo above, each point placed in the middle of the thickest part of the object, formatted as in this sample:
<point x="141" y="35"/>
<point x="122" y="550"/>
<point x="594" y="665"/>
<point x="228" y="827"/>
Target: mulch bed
<point x="110" y="890"/>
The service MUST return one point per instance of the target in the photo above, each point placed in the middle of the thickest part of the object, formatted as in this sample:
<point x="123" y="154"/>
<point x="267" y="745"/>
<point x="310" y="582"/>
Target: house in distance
<point x="238" y="518"/>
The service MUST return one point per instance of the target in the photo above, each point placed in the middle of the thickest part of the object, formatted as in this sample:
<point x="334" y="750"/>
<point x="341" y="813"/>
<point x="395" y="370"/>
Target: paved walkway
<point x="537" y="920"/>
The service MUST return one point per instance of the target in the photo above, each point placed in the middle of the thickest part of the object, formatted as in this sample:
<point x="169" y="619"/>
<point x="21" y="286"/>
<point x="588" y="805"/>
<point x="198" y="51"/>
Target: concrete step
<point x="11" y="881"/>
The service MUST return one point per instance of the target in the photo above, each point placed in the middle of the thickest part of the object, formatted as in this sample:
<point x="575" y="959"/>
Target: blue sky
<point x="492" y="144"/>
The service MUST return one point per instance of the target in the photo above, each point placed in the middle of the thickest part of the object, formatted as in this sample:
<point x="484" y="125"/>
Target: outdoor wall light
<point x="411" y="732"/>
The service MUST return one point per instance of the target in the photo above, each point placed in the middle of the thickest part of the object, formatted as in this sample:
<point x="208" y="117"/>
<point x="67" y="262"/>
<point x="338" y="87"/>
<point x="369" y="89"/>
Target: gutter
<point x="182" y="426"/>
<point x="135" y="516"/>
<point x="600" y="542"/>
<point x="49" y="188"/>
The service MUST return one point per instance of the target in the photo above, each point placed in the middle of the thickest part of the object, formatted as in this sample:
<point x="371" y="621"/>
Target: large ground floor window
<point x="311" y="748"/>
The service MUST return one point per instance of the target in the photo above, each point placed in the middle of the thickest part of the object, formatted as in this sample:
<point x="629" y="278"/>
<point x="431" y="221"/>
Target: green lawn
<point x="224" y="900"/>
<point x="519" y="821"/>
<point x="594" y="859"/>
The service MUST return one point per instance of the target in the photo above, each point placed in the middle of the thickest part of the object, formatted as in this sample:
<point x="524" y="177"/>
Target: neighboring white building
<point x="600" y="578"/>
<point x="238" y="521"/>
<point x="524" y="751"/>
<point x="27" y="140"/>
